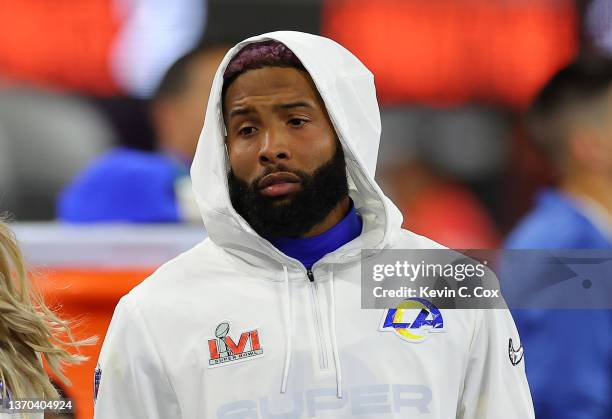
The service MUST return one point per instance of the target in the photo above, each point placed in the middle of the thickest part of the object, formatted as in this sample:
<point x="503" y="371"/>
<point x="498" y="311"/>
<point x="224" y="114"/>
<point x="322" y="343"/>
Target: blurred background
<point x="452" y="77"/>
<point x="98" y="121"/>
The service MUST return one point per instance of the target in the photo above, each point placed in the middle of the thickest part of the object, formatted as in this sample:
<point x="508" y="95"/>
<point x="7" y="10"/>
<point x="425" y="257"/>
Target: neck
<point x="590" y="187"/>
<point x="333" y="218"/>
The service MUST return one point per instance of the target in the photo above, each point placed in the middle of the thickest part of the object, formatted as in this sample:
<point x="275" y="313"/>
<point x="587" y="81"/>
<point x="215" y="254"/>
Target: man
<point x="263" y="319"/>
<point x="127" y="185"/>
<point x="571" y="119"/>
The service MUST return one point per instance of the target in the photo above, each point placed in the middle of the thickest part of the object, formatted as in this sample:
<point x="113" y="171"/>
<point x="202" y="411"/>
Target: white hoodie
<point x="234" y="329"/>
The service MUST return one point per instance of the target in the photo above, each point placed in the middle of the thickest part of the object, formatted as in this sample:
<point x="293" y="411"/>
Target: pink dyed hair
<point x="259" y="55"/>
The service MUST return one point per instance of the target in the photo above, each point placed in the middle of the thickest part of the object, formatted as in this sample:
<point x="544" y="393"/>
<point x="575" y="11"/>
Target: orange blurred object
<point x="450" y="52"/>
<point x="436" y="207"/>
<point x="89" y="297"/>
<point x="452" y="216"/>
<point x="62" y="43"/>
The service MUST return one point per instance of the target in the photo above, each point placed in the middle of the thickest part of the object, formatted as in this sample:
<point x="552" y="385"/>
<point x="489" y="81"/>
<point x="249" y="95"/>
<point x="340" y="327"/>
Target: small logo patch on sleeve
<point x="516" y="355"/>
<point x="97" y="377"/>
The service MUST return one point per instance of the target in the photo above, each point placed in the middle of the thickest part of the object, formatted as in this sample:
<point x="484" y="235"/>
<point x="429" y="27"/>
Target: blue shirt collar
<point x="308" y="250"/>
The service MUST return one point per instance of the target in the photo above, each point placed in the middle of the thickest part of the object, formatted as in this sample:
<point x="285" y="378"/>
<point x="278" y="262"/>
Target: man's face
<point x="287" y="166"/>
<point x="179" y="119"/>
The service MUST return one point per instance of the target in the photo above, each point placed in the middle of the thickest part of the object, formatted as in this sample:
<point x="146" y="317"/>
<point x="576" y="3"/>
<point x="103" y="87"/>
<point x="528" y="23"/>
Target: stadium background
<point x="453" y="80"/>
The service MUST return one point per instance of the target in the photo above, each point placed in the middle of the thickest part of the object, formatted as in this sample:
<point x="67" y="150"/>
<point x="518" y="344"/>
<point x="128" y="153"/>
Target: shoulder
<point x="556" y="224"/>
<point x="123" y="161"/>
<point x="122" y="184"/>
<point x="133" y="168"/>
<point x="192" y="272"/>
<point x="178" y="301"/>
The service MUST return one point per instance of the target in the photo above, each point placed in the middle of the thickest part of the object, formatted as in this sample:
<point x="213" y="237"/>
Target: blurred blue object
<point x="557" y="222"/>
<point x="568" y="353"/>
<point x="124" y="185"/>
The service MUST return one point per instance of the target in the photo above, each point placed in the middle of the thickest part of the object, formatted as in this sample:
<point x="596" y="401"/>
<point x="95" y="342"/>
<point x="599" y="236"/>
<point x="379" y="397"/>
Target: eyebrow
<point x="245" y="110"/>
<point x="241" y="111"/>
<point x="291" y="105"/>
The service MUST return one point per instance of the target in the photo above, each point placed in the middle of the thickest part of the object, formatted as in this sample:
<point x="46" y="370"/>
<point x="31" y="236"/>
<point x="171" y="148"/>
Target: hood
<point x="347" y="89"/>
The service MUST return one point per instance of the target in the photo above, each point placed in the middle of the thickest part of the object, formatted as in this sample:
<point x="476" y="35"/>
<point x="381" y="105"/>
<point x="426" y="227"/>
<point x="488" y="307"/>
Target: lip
<point x="279" y="184"/>
<point x="278" y="177"/>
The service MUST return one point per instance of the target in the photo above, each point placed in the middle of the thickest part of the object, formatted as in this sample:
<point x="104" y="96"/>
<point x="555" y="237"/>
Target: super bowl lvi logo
<point x="225" y="350"/>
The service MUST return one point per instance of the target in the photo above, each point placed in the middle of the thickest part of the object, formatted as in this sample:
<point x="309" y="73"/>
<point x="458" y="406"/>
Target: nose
<point x="274" y="148"/>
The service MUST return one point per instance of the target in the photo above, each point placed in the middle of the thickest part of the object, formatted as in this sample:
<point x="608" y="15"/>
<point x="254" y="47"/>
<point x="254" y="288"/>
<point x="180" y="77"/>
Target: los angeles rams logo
<point x="413" y="320"/>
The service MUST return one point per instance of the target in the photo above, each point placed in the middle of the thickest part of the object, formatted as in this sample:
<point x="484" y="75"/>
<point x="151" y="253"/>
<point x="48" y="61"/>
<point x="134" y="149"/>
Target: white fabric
<point x="288" y="331"/>
<point x="334" y="339"/>
<point x="155" y="358"/>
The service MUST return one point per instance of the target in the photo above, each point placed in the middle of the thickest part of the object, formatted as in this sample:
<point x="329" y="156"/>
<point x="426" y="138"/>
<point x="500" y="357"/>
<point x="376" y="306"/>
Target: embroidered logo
<point x="413" y="320"/>
<point x="224" y="350"/>
<point x="97" y="377"/>
<point x="516" y="355"/>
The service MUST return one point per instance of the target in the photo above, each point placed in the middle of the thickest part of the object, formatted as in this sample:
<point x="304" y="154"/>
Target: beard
<point x="293" y="215"/>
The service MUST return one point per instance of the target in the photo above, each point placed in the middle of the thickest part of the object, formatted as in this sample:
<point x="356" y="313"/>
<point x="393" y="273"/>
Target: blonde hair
<point x="29" y="331"/>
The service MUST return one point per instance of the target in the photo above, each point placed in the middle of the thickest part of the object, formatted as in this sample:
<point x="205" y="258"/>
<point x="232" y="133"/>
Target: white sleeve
<point x="494" y="387"/>
<point x="132" y="379"/>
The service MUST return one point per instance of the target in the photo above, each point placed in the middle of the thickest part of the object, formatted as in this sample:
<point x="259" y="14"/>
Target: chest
<point x="233" y="352"/>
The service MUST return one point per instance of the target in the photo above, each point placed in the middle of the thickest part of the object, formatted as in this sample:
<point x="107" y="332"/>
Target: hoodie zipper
<point x="323" y="363"/>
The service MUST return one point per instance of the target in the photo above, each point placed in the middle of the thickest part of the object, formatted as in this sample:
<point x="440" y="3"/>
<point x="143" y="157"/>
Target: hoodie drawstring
<point x="288" y="332"/>
<point x="333" y="334"/>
